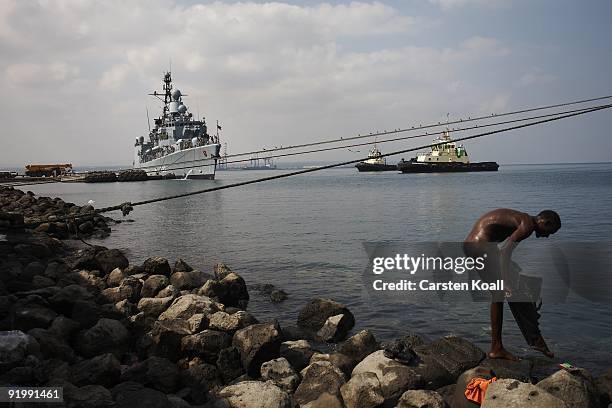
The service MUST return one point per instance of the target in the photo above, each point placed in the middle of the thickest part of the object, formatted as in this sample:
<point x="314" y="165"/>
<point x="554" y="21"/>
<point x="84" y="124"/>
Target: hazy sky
<point x="75" y="74"/>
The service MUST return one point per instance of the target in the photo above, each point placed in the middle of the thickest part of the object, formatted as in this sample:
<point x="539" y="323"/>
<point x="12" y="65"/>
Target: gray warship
<point x="178" y="144"/>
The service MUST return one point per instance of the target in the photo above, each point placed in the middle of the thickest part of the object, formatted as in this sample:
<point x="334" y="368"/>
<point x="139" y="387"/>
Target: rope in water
<point x="126" y="207"/>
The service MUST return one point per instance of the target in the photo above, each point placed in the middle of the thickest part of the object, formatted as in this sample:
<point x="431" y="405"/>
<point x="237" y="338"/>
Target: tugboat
<point x="375" y="162"/>
<point x="178" y="144"/>
<point x="445" y="157"/>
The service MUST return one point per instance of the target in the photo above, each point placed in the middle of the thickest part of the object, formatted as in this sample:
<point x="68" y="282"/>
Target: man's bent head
<point x="547" y="222"/>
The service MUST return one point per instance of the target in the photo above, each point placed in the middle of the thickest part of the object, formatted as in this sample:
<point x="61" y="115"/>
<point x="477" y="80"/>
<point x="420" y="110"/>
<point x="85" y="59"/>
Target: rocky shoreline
<point x="115" y="334"/>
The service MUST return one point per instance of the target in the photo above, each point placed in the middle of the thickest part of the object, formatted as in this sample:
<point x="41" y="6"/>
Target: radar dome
<point x="176" y="95"/>
<point x="182" y="108"/>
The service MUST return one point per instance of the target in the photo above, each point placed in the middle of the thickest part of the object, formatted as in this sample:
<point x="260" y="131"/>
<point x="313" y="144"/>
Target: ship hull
<point x="195" y="163"/>
<point x="367" y="167"/>
<point x="413" y="166"/>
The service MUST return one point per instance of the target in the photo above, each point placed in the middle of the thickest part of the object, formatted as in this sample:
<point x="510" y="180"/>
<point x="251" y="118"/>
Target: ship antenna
<point x="148" y="120"/>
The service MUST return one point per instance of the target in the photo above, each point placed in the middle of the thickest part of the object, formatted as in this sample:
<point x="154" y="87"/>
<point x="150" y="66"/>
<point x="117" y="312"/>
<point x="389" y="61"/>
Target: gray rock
<point x="394" y="377"/>
<point x="167" y="335"/>
<point x="221" y="270"/>
<point x="115" y="277"/>
<point x="198" y="322"/>
<point x="64" y="327"/>
<point x="335" y="328"/>
<point x="255" y="394"/>
<point x="234" y="291"/>
<point x="230" y="323"/>
<point x="362" y="391"/>
<point x="155" y="372"/>
<point x="52" y="345"/>
<point x="109" y="259"/>
<point x="517" y="370"/>
<point x="102" y="370"/>
<point x="575" y="389"/>
<point x="319" y="378"/>
<point x="313" y="316"/>
<point x="454" y="354"/>
<point x="131" y="394"/>
<point x="168" y="291"/>
<point x="359" y="346"/>
<point x="207" y="344"/>
<point x="339" y="360"/>
<point x="28" y="315"/>
<point x="280" y="372"/>
<point x="506" y="393"/>
<point x="230" y="364"/>
<point x="89" y="396"/>
<point x="297" y="352"/>
<point x="157" y="265"/>
<point x="186" y="306"/>
<point x="15" y="345"/>
<point x="181" y="266"/>
<point x="421" y="399"/>
<point x="257" y="344"/>
<point x="106" y="336"/>
<point x="153" y="307"/>
<point x="278" y="296"/>
<point x="153" y="284"/>
<point x="188" y="280"/>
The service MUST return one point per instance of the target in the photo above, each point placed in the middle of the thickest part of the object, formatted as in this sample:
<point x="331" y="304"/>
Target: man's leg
<point x="527" y="318"/>
<point x="497" y="320"/>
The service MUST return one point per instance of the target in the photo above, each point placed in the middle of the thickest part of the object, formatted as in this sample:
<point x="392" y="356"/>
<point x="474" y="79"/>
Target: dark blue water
<point x="304" y="234"/>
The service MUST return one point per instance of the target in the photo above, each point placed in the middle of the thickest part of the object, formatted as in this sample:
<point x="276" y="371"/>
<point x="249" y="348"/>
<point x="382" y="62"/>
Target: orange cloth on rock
<point x="476" y="389"/>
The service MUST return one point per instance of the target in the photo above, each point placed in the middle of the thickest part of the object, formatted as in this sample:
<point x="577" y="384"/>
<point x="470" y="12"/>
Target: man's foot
<point x="502" y="354"/>
<point x="540" y="345"/>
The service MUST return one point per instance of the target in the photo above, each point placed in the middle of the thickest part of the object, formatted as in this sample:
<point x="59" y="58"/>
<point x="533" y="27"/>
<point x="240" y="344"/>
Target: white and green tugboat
<point x="178" y="144"/>
<point x="375" y="162"/>
<point x="445" y="157"/>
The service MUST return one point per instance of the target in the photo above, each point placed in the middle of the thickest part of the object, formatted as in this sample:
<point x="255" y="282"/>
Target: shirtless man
<point x="512" y="227"/>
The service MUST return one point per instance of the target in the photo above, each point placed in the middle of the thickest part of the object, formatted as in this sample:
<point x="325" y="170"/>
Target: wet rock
<point x="339" y="360"/>
<point x="15" y="345"/>
<point x="106" y="336"/>
<point x="362" y="391"/>
<point x="153" y="284"/>
<point x="402" y="349"/>
<point x="335" y="328"/>
<point x="131" y="394"/>
<point x="506" y="393"/>
<point x="359" y="346"/>
<point x="454" y="354"/>
<point x="186" y="306"/>
<point x="230" y="364"/>
<point x="234" y="291"/>
<point x="255" y="394"/>
<point x="221" y="270"/>
<point x="298" y="353"/>
<point x="257" y="344"/>
<point x="167" y="336"/>
<point x="157" y="265"/>
<point x="181" y="266"/>
<point x="115" y="277"/>
<point x="278" y="296"/>
<point x="421" y="399"/>
<point x="89" y="396"/>
<point x="207" y="344"/>
<point x="575" y="389"/>
<point x="517" y="370"/>
<point x="314" y="315"/>
<point x="319" y="378"/>
<point x="230" y="323"/>
<point x="188" y="280"/>
<point x="155" y="372"/>
<point x="103" y="370"/>
<point x="394" y="377"/>
<point x="280" y="372"/>
<point x="109" y="259"/>
<point x="153" y="307"/>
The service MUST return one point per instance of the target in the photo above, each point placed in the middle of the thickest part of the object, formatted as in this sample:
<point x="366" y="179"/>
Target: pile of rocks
<point x="18" y="207"/>
<point x="115" y="334"/>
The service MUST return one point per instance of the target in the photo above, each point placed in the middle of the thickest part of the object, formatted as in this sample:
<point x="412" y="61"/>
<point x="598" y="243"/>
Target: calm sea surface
<point x="305" y="235"/>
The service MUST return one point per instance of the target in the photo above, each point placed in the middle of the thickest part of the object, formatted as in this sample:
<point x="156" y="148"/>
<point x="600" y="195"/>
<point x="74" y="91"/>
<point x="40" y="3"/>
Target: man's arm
<point x="524" y="229"/>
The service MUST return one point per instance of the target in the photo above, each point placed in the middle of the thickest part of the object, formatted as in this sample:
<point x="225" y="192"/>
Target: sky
<point x="75" y="74"/>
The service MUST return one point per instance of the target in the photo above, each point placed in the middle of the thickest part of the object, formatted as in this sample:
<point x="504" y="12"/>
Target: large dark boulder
<point x="109" y="259"/>
<point x="106" y="336"/>
<point x="297" y="352"/>
<point x="102" y="370"/>
<point x="319" y="378"/>
<point x="131" y="394"/>
<point x="229" y="364"/>
<point x="314" y="315"/>
<point x="167" y="336"/>
<point x="454" y="354"/>
<point x="206" y="344"/>
<point x="88" y="396"/>
<point x="153" y="284"/>
<point x="576" y="389"/>
<point x="157" y="265"/>
<point x="155" y="372"/>
<point x="257" y="344"/>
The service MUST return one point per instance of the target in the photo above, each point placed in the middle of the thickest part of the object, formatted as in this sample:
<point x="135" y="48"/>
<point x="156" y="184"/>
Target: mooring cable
<point x="128" y="206"/>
